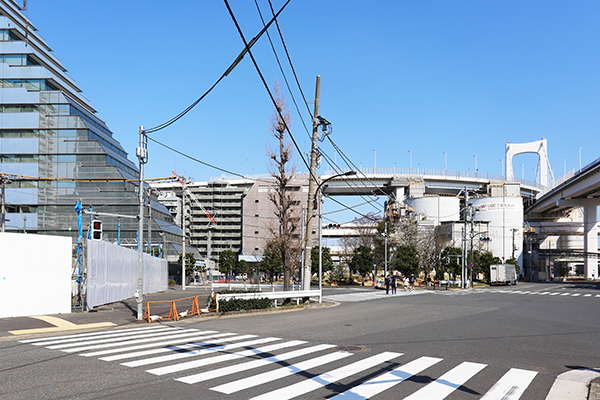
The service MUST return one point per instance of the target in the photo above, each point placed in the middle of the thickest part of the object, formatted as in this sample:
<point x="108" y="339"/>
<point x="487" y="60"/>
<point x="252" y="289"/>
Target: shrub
<point x="171" y="282"/>
<point x="243" y="304"/>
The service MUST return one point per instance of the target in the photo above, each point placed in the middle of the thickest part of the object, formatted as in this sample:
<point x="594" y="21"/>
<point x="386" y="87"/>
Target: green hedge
<point x="243" y="304"/>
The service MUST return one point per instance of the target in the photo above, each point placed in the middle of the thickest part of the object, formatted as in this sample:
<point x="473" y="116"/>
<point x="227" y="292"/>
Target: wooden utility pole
<point x="311" y="189"/>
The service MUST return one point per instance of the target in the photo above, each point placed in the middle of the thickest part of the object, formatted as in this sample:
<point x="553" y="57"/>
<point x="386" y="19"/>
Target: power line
<point x="231" y="67"/>
<point x="239" y="29"/>
<point x="282" y="71"/>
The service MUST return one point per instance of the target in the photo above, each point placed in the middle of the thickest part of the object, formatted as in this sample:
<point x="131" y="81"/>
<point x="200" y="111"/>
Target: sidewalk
<point x="114" y="314"/>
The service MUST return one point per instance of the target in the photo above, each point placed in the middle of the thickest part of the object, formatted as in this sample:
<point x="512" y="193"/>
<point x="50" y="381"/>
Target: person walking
<point x="411" y="280"/>
<point x="405" y="283"/>
<point x="387" y="284"/>
<point x="394" y="283"/>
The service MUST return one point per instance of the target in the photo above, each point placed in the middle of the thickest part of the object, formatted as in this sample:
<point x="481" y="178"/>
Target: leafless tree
<point x="283" y="170"/>
<point x="365" y="229"/>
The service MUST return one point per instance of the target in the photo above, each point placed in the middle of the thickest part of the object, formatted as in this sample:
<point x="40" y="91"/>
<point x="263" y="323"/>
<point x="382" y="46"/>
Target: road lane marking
<point x="84" y="335"/>
<point x="447" y="383"/>
<point x="387" y="380"/>
<point x="91" y="343"/>
<point x="222" y="358"/>
<point x="232" y="369"/>
<point x="194" y="353"/>
<point x="511" y="386"/>
<point x="327" y="378"/>
<point x="279" y="373"/>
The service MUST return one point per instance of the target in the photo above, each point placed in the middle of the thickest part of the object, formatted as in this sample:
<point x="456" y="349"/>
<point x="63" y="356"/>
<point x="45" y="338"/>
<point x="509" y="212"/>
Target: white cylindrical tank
<point x="436" y="208"/>
<point x="505" y="217"/>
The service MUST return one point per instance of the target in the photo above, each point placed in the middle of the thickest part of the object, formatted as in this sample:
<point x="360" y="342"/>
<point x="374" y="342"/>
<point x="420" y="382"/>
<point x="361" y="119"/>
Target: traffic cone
<point x="334" y="283"/>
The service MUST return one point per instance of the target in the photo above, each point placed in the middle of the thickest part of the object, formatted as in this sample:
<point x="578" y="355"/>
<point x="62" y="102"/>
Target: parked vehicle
<point x="503" y="274"/>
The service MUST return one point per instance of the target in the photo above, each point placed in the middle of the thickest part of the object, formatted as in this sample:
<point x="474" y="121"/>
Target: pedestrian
<point x="394" y="283"/>
<point x="411" y="280"/>
<point x="405" y="283"/>
<point x="387" y="284"/>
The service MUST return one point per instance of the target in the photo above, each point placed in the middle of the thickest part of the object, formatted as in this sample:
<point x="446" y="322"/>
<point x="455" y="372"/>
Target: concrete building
<point x="55" y="150"/>
<point x="244" y="215"/>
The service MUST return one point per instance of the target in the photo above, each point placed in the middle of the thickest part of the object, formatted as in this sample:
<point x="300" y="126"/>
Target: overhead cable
<point x="231" y="67"/>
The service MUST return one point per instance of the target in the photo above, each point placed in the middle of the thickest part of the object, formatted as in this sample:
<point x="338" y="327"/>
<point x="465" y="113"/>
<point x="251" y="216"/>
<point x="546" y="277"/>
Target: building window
<point x="305" y="189"/>
<point x="263" y="188"/>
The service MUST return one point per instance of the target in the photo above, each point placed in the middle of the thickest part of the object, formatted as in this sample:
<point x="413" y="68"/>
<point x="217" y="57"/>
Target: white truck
<point x="503" y="274"/>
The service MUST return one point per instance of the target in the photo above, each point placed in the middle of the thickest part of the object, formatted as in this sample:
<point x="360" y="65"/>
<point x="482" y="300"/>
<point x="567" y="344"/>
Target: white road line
<point x="587" y="295"/>
<point x="279" y="373"/>
<point x="178" y="334"/>
<point x="232" y="369"/>
<point x="204" y="335"/>
<point x="225" y="357"/>
<point x="576" y="294"/>
<point x="387" y="380"/>
<point x="87" y="335"/>
<point x="447" y="383"/>
<point x="170" y="349"/>
<point x="511" y="386"/>
<point x="554" y="294"/>
<point x="545" y="293"/>
<point x="195" y="353"/>
<point x="117" y="339"/>
<point x="565" y="294"/>
<point x="327" y="378"/>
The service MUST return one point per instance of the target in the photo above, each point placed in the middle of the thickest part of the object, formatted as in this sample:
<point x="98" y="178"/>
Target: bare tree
<point x="282" y="169"/>
<point x="365" y="229"/>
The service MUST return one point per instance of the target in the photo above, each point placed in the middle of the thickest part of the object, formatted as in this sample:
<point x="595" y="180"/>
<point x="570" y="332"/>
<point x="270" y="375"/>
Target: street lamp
<point x="410" y="154"/>
<point x="476" y="163"/>
<point x="318" y="196"/>
<point x="445" y="161"/>
<point x="580" y="158"/>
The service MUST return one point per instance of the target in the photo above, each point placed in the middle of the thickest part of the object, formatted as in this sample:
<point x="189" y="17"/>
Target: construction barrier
<point x="174" y="314"/>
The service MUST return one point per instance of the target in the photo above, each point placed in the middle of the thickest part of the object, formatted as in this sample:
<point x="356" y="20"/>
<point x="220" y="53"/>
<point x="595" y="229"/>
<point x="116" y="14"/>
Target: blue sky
<point x="460" y="77"/>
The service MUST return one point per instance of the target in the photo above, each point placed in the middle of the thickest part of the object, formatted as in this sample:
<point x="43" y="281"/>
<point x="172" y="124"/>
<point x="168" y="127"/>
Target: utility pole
<point x="465" y="239"/>
<point x="471" y="216"/>
<point x="385" y="235"/>
<point x="4" y="181"/>
<point x="142" y="154"/>
<point x="311" y="189"/>
<point x="183" y="233"/>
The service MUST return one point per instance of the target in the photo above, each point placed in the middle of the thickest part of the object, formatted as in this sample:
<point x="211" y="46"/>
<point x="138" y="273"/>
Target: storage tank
<point x="436" y="208"/>
<point x="505" y="217"/>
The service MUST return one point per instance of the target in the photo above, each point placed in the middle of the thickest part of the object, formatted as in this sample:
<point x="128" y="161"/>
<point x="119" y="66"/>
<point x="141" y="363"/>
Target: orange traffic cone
<point x="334" y="283"/>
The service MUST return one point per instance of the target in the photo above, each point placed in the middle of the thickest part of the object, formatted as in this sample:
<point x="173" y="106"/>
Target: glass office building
<point x="55" y="151"/>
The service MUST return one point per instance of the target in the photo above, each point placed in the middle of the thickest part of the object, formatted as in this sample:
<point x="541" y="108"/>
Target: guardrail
<point x="298" y="294"/>
<point x="255" y="286"/>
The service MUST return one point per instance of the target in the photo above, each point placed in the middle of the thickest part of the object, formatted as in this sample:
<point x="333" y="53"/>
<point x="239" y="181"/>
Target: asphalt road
<point x="466" y="340"/>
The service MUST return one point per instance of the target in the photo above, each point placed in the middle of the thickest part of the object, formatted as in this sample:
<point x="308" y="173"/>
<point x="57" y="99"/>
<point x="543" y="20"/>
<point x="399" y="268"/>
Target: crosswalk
<point x="249" y="366"/>
<point x="366" y="295"/>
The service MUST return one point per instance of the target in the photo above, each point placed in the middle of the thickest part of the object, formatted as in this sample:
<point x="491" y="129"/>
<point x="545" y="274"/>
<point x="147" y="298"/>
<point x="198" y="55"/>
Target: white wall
<point x="112" y="273"/>
<point x="35" y="275"/>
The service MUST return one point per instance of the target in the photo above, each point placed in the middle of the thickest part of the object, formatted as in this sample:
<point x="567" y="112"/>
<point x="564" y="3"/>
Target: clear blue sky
<point x="461" y="77"/>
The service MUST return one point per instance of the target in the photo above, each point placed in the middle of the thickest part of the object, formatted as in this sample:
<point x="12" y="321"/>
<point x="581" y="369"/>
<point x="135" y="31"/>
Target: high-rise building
<point x="55" y="150"/>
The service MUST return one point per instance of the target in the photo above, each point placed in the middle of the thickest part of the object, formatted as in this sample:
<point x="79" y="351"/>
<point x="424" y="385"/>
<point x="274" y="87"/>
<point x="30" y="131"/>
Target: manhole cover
<point x="351" y="349"/>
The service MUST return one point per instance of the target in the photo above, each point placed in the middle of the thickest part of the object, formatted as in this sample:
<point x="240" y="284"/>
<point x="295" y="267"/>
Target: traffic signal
<point x="333" y="226"/>
<point x="485" y="239"/>
<point x="96" y="229"/>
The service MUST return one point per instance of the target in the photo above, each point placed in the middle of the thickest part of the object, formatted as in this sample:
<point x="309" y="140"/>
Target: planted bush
<point x="243" y="304"/>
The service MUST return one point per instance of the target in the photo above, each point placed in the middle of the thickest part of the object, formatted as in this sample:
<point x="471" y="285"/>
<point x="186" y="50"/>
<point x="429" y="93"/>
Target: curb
<point x="573" y="385"/>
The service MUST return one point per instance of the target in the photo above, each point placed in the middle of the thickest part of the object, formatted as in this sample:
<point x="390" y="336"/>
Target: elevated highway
<point x="579" y="189"/>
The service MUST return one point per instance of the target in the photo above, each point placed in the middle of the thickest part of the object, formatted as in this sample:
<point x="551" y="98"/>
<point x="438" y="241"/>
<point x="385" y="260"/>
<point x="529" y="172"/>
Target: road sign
<point x="470" y="265"/>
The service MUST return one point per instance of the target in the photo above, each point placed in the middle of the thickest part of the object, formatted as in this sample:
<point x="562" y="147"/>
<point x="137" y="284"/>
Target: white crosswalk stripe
<point x="388" y="380"/>
<point x="251" y="363"/>
<point x="447" y="383"/>
<point x="511" y="385"/>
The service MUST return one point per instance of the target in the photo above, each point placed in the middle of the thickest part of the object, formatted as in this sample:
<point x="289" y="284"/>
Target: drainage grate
<point x="351" y="349"/>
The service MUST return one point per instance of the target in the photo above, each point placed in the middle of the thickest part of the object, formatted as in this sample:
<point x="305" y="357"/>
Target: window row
<point x="29" y="84"/>
<point x="8" y="35"/>
<point x="15" y="60"/>
<point x="18" y="108"/>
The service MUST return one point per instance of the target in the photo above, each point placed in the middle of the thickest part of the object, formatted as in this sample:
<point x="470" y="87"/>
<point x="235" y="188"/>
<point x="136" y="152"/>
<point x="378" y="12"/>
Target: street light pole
<point x="410" y="155"/>
<point x="318" y="197"/>
<point x="445" y="161"/>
